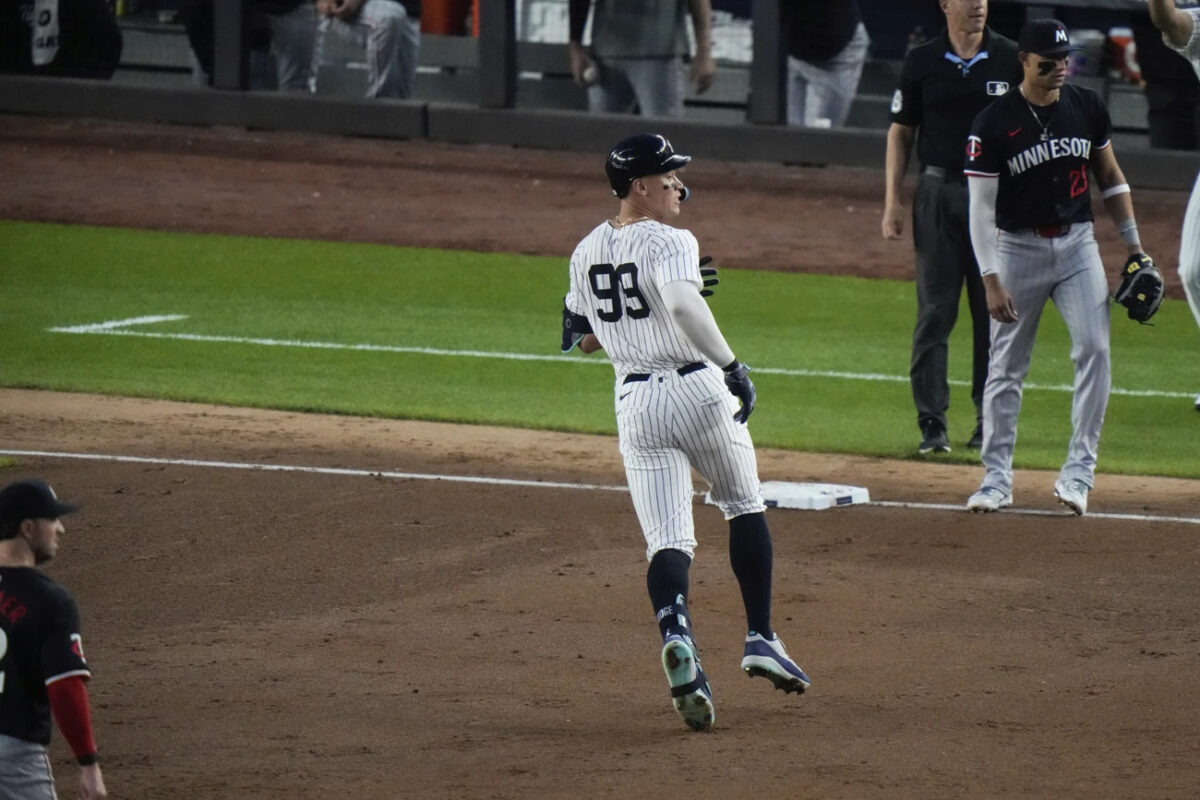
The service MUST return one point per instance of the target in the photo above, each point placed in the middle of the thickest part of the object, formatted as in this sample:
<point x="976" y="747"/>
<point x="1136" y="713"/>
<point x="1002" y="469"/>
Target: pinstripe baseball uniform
<point x="1045" y="250"/>
<point x="674" y="411"/>
<point x="1189" y="239"/>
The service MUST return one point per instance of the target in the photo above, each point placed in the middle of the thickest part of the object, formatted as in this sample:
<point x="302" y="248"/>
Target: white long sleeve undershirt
<point x="693" y="316"/>
<point x="982" y="192"/>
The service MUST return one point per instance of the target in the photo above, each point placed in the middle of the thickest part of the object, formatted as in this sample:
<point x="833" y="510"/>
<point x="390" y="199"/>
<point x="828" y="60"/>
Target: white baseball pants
<point x="669" y="424"/>
<point x="1067" y="270"/>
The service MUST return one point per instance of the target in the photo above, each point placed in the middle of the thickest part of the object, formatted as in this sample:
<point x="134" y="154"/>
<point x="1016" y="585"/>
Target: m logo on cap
<point x="1060" y="35"/>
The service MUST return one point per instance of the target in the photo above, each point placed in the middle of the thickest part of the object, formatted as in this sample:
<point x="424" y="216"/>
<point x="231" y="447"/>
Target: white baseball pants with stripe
<point x="1067" y="270"/>
<point x="669" y="424"/>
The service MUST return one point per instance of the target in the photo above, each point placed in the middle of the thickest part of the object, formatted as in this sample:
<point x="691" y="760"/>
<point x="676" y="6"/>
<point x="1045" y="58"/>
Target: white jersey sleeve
<point x="574" y="301"/>
<point x="674" y="256"/>
<point x="1190" y="50"/>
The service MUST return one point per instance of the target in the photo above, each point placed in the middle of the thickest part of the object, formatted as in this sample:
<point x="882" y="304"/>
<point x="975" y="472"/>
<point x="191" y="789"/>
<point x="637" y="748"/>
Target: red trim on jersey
<point x="69" y="702"/>
<point x="970" y="173"/>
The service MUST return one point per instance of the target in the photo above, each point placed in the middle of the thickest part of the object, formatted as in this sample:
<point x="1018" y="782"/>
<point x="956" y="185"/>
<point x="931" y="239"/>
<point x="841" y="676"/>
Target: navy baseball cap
<point x="31" y="499"/>
<point x="1047" y="37"/>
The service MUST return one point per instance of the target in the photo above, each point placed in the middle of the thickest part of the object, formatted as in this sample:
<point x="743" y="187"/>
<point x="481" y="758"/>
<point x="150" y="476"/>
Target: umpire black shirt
<point x="941" y="94"/>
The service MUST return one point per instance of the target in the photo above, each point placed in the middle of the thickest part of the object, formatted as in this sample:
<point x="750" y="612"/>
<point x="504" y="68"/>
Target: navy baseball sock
<point x="667" y="582"/>
<point x="750" y="555"/>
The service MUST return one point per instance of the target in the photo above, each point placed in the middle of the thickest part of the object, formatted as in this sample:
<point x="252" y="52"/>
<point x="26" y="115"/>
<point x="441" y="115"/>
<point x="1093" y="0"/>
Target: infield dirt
<point x="281" y="634"/>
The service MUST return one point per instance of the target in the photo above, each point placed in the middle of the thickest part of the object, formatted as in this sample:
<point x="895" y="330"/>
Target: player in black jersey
<point x="1028" y="159"/>
<point x="42" y="669"/>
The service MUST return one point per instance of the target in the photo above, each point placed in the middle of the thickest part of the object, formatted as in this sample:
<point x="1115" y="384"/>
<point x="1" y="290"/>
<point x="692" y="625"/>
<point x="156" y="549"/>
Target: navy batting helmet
<point x="638" y="156"/>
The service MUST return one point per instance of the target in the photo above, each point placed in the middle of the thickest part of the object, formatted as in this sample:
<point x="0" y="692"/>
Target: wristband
<point x="731" y="366"/>
<point x="88" y="760"/>
<point x="1129" y="232"/>
<point x="1120" y="188"/>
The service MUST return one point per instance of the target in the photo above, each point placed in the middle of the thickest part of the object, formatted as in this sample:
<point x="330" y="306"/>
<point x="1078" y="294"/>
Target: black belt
<point x="945" y="175"/>
<point x="686" y="369"/>
<point x="1052" y="231"/>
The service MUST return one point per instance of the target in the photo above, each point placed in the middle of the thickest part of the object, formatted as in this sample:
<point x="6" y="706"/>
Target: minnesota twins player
<point x="635" y="291"/>
<point x="1027" y="165"/>
<point x="42" y="669"/>
<point x="1181" y="32"/>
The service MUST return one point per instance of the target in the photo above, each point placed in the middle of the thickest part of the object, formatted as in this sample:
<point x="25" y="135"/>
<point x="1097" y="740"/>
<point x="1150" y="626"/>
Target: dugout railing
<point x="493" y="115"/>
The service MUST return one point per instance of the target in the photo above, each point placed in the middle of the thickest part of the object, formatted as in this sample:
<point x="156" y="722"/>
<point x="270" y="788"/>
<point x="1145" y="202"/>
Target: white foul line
<point x="594" y="487"/>
<point x="1038" y="512"/>
<point x="370" y="473"/>
<point x="118" y="328"/>
<point x="102" y="327"/>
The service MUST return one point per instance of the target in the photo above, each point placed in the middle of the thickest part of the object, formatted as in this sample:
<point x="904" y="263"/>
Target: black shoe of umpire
<point x="934" y="440"/>
<point x="976" y="440"/>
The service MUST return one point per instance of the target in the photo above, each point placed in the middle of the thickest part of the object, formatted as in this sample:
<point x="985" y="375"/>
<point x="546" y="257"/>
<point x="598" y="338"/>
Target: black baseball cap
<point x="1047" y="37"/>
<point x="31" y="499"/>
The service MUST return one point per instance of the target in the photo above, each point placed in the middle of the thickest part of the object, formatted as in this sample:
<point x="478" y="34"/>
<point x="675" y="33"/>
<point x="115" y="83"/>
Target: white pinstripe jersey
<point x="1191" y="50"/>
<point x="616" y="275"/>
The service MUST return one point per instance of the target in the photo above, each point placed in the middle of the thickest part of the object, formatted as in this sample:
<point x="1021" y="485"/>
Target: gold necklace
<point x="617" y="223"/>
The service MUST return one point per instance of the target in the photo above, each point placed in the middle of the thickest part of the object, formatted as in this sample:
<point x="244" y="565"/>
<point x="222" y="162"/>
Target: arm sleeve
<point x="577" y="14"/>
<point x="906" y="102"/>
<point x="693" y="316"/>
<point x="69" y="704"/>
<point x="1191" y="48"/>
<point x="983" y="221"/>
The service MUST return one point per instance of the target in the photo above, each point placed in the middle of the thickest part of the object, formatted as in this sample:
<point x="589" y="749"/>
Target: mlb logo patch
<point x="997" y="88"/>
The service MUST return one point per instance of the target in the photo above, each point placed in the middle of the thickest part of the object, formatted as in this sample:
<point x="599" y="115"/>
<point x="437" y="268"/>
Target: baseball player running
<point x="1181" y="32"/>
<point x="1028" y="158"/>
<point x="636" y="282"/>
<point x="41" y="653"/>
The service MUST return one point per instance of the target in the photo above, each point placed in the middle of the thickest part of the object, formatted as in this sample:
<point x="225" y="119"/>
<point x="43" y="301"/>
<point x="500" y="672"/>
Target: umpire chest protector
<point x="1041" y="156"/>
<point x="942" y="93"/>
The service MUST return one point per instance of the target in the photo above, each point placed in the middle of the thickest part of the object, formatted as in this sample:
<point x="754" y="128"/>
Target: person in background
<point x="41" y="651"/>
<point x="60" y="38"/>
<point x="285" y="28"/>
<point x="637" y="51"/>
<point x="827" y="47"/>
<point x="944" y="84"/>
<point x="1181" y="32"/>
<point x="389" y="31"/>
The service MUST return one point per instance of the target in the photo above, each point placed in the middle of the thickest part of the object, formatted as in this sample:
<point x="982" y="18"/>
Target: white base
<point x="809" y="496"/>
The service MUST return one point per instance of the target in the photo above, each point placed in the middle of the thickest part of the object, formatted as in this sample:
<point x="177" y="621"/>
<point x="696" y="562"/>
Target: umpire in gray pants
<point x="944" y="84"/>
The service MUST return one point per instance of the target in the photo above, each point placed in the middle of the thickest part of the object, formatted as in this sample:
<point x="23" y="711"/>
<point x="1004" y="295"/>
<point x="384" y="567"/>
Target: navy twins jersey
<point x="1040" y="154"/>
<point x="39" y="644"/>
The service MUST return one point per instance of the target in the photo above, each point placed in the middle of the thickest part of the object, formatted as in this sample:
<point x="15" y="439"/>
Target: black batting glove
<point x="708" y="275"/>
<point x="737" y="378"/>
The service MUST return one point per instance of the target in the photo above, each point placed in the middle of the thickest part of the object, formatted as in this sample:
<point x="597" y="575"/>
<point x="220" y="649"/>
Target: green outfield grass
<point x="241" y="291"/>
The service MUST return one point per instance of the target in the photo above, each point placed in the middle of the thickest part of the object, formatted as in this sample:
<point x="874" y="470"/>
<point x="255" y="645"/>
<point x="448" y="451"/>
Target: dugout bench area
<point x="465" y="94"/>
